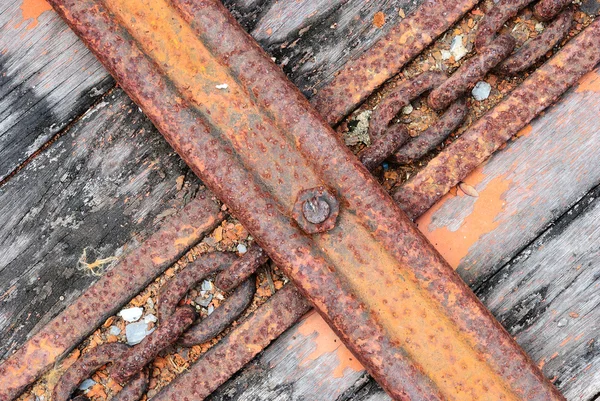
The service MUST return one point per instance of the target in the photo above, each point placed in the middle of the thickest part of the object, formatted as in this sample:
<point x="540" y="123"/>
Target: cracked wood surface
<point x="308" y="362"/>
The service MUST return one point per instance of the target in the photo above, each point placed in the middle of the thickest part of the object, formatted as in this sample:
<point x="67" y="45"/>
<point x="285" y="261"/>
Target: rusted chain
<point x="372" y="156"/>
<point x="547" y="9"/>
<point x="427" y="140"/>
<point x="135" y="358"/>
<point x="240" y="270"/>
<point x="92" y="361"/>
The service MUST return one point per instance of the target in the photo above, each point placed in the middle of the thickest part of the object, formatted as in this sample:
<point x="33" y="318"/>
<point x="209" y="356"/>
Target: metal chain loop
<point x="493" y="52"/>
<point x="128" y="364"/>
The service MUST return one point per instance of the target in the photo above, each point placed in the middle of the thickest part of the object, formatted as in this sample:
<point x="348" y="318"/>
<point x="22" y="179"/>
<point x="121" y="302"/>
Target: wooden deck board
<point x="308" y="362"/>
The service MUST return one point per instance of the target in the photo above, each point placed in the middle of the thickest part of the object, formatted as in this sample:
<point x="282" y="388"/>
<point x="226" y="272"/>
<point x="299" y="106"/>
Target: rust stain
<point x="590" y="82"/>
<point x="31" y="10"/>
<point x="455" y="245"/>
<point x="379" y="19"/>
<point x="524" y="131"/>
<point x="327" y="342"/>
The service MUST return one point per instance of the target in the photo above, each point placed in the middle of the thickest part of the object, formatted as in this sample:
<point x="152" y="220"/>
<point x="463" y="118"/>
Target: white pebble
<point x="131" y="314"/>
<point x="211" y="309"/>
<point x="87" y="383"/>
<point x="136" y="332"/>
<point x="150" y="318"/>
<point x="457" y="48"/>
<point x="406" y="110"/>
<point x="222" y="86"/>
<point x="207" y="285"/>
<point x="114" y="330"/>
<point x="241" y="248"/>
<point x="481" y="91"/>
<point x="446" y="55"/>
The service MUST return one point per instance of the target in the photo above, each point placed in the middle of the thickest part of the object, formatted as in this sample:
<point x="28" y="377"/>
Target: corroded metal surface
<point x="430" y="138"/>
<point x="224" y="106"/>
<point x="240" y="270"/>
<point x="106" y="296"/>
<point x="384" y="146"/>
<point x="239" y="347"/>
<point x="537" y="92"/>
<point x="360" y="77"/>
<point x="92" y="361"/>
<point x="135" y="358"/>
<point x="471" y="72"/>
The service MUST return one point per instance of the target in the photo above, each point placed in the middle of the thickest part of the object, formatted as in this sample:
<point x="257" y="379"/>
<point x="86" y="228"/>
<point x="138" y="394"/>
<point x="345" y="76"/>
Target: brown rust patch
<point x="590" y="82"/>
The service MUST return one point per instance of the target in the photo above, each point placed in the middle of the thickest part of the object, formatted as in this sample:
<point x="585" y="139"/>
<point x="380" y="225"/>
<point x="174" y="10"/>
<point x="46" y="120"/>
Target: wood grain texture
<point x="47" y="79"/>
<point x="92" y="191"/>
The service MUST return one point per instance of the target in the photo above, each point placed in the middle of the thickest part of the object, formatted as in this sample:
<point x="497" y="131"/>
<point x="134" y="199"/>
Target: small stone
<point x="86" y="384"/>
<point x="241" y="248"/>
<point x="150" y="303"/>
<point x="539" y="27"/>
<point x="222" y="86"/>
<point x="131" y="314"/>
<point x="207" y="285"/>
<point x="406" y="110"/>
<point x="114" y="331"/>
<point x="446" y="55"/>
<point x="481" y="91"/>
<point x="211" y="309"/>
<point x="563" y="322"/>
<point x="150" y="318"/>
<point x="136" y="332"/>
<point x="457" y="48"/>
<point x="204" y="301"/>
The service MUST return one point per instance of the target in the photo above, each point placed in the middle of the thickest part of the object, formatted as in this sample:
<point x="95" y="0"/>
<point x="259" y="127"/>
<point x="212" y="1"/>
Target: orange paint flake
<point x="379" y="19"/>
<point x="327" y="342"/>
<point x="590" y="82"/>
<point x="31" y="10"/>
<point x="524" y="131"/>
<point x="455" y="245"/>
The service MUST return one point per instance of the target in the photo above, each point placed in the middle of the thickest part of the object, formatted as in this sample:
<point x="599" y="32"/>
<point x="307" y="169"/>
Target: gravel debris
<point x="457" y="48"/>
<point x="481" y="91"/>
<point x="131" y="314"/>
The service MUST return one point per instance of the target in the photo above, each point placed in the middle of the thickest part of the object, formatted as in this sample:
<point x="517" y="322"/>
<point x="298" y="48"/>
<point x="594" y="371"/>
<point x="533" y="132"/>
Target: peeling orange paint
<point x="327" y="342"/>
<point x="455" y="245"/>
<point x="590" y="82"/>
<point x="524" y="131"/>
<point x="31" y="10"/>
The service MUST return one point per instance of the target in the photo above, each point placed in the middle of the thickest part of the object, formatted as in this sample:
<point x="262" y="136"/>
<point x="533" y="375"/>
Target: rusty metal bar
<point x="238" y="347"/>
<point x="108" y="294"/>
<point x="538" y="91"/>
<point x="223" y="105"/>
<point x="240" y="270"/>
<point x="360" y="77"/>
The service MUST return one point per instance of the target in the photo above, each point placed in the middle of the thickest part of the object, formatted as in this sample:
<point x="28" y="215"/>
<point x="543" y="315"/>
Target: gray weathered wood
<point x="93" y="190"/>
<point x="549" y="299"/>
<point x="47" y="79"/>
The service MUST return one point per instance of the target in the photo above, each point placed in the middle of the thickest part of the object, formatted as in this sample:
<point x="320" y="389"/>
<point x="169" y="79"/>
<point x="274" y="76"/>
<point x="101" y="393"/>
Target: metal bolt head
<point x="316" y="210"/>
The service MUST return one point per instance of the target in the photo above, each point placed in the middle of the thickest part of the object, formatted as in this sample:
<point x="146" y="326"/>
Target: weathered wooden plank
<point x="551" y="166"/>
<point x="84" y="198"/>
<point x="549" y="299"/>
<point x="47" y="79"/>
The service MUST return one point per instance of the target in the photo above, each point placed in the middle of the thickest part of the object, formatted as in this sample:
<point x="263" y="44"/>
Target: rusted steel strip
<point x="537" y="92"/>
<point x="501" y="12"/>
<point x="107" y="295"/>
<point x="239" y="347"/>
<point x="533" y="51"/>
<point x="92" y="361"/>
<point x="472" y="71"/>
<point x="137" y="357"/>
<point x="360" y="77"/>
<point x="430" y="138"/>
<point x="223" y="105"/>
<point x="240" y="270"/>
